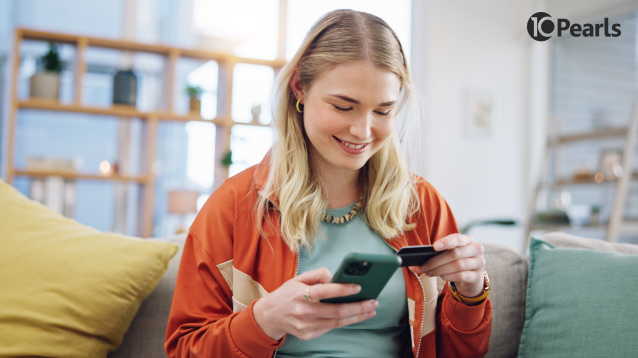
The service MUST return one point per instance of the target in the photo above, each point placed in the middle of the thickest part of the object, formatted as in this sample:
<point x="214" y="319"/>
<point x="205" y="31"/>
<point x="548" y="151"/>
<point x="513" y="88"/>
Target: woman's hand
<point x="287" y="311"/>
<point x="463" y="263"/>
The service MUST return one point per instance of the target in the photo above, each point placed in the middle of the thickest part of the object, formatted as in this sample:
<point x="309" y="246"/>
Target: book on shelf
<point x="55" y="192"/>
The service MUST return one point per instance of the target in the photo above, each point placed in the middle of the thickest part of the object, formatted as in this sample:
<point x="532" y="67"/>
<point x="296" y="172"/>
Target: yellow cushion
<point x="68" y="290"/>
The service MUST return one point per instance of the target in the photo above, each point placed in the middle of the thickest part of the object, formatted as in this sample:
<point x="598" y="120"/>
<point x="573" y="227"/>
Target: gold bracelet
<point x="459" y="297"/>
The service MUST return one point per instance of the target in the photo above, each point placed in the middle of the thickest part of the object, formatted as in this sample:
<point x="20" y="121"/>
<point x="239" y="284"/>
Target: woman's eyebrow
<point x="352" y="100"/>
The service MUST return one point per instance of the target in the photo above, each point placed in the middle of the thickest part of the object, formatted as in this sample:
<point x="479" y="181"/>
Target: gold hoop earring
<point x="298" y="108"/>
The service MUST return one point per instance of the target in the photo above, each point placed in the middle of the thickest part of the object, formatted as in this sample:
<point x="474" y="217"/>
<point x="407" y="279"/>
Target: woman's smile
<point x="350" y="147"/>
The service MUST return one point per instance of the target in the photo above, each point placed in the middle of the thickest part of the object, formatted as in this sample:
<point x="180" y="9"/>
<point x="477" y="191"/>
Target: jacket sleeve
<point x="202" y="322"/>
<point x="462" y="330"/>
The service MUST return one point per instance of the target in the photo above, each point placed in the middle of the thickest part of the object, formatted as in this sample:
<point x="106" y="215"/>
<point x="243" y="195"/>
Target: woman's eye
<point x="343" y="109"/>
<point x="382" y="113"/>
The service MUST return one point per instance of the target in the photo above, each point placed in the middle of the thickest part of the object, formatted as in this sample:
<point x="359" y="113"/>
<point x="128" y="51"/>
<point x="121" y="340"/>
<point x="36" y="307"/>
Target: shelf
<point x="585" y="181"/>
<point x="74" y="175"/>
<point x="191" y="117"/>
<point x="598" y="134"/>
<point x="589" y="181"/>
<point x="126" y="111"/>
<point x="114" y="110"/>
<point x="126" y="45"/>
<point x="51" y="105"/>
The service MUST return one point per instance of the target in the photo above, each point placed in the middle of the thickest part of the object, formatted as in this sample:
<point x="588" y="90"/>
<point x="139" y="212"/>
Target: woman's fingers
<point x="339" y="311"/>
<point x="295" y="307"/>
<point x="316" y="319"/>
<point x="325" y="325"/>
<point x="320" y="275"/>
<point x="462" y="263"/>
<point x="461" y="257"/>
<point x="452" y="241"/>
<point x="456" y="247"/>
<point x="330" y="290"/>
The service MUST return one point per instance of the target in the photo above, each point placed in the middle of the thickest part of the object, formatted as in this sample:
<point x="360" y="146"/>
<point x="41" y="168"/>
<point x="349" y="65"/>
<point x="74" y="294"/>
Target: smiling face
<point x="349" y="112"/>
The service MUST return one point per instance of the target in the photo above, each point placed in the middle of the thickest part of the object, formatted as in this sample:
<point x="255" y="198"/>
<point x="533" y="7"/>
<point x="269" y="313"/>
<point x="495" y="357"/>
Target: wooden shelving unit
<point x="616" y="225"/>
<point x="150" y="119"/>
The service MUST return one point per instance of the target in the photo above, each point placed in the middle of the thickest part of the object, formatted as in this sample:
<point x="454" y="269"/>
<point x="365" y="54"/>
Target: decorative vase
<point x="45" y="85"/>
<point x="256" y="111"/>
<point x="195" y="105"/>
<point x="125" y="87"/>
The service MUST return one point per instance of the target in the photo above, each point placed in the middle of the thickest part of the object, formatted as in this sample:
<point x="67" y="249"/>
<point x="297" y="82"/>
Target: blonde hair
<point x="387" y="188"/>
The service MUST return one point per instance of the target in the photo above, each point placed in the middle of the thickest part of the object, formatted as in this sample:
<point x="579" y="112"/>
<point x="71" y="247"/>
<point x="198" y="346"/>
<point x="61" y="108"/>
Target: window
<point x="244" y="27"/>
<point x="251" y="88"/>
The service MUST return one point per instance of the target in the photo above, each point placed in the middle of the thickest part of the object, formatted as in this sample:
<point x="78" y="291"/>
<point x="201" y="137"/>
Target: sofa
<point x="508" y="271"/>
<point x="69" y="290"/>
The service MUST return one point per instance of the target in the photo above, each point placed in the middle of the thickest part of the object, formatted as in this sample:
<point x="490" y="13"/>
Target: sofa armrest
<point x="508" y="278"/>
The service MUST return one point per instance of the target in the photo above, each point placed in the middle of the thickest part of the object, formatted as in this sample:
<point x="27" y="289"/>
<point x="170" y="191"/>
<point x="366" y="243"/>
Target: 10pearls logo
<point x="540" y="27"/>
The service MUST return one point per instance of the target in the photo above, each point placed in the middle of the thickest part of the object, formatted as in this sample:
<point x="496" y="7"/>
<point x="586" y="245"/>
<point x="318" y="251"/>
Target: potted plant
<point x="194" y="93"/>
<point x="227" y="160"/>
<point x="45" y="83"/>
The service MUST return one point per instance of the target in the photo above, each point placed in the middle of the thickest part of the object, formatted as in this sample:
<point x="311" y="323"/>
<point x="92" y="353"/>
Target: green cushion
<point x="580" y="303"/>
<point x="68" y="290"/>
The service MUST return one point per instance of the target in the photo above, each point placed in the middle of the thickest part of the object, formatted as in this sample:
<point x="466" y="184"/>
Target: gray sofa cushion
<point x="145" y="337"/>
<point x="508" y="279"/>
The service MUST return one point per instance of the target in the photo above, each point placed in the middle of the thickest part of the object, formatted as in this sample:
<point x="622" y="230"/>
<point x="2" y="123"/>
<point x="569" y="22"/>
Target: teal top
<point x="383" y="335"/>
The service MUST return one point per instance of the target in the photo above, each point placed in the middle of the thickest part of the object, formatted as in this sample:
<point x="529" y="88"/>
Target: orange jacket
<point x="226" y="266"/>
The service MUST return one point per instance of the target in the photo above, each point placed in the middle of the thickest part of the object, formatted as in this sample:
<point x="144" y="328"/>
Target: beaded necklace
<point x="345" y="218"/>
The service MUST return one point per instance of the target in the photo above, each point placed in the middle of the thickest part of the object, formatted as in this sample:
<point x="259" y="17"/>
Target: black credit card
<point x="416" y="255"/>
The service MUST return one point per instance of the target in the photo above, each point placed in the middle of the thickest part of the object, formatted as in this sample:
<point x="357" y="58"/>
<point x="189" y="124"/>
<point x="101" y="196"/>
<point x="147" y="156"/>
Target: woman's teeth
<point x="353" y="146"/>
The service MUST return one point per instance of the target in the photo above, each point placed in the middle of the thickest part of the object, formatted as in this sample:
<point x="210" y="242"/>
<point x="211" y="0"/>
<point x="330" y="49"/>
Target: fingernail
<point x="438" y="246"/>
<point x="374" y="303"/>
<point x="355" y="288"/>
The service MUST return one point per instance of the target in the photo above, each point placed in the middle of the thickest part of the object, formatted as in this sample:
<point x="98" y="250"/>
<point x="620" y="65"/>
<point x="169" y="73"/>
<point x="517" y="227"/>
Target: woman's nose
<point x="360" y="128"/>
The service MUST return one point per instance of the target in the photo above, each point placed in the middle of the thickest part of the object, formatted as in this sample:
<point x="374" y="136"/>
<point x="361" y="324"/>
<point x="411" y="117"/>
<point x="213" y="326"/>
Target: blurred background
<point x="158" y="101"/>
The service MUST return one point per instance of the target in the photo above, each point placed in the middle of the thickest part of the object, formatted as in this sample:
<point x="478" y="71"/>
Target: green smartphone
<point x="370" y="271"/>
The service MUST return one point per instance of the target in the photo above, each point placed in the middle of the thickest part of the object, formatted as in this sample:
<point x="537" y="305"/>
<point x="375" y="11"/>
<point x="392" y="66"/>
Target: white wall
<point x="469" y="45"/>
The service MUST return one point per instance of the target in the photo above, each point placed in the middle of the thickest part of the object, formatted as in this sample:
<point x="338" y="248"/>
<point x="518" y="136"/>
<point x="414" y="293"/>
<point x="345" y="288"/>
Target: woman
<point x="258" y="258"/>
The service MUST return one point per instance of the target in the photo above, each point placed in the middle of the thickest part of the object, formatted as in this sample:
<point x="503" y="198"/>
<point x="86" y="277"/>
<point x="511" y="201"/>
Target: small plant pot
<point x="195" y="105"/>
<point x="45" y="85"/>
